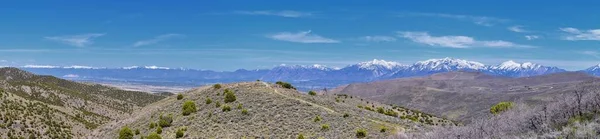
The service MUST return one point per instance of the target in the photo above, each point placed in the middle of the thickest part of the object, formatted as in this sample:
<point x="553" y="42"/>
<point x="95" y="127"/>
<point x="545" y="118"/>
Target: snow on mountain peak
<point x="378" y="63"/>
<point x="512" y="65"/>
<point x="79" y="67"/>
<point x="314" y="66"/>
<point x="40" y="66"/>
<point x="155" y="67"/>
<point x="448" y="63"/>
<point x="131" y="67"/>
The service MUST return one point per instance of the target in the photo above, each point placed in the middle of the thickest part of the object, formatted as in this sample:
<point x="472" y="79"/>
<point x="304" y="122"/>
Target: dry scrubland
<point x="271" y="111"/>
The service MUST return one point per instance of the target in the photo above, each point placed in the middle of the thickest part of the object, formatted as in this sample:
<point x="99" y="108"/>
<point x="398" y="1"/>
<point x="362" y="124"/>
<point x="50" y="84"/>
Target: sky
<point x="226" y="35"/>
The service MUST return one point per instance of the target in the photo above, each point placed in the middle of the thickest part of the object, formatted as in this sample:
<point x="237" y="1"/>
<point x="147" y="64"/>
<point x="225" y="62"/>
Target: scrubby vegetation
<point x="312" y="93"/>
<point x="180" y="132"/>
<point x="226" y="108"/>
<point x="501" y="107"/>
<point x="361" y="133"/>
<point x="179" y="96"/>
<point x="229" y="96"/>
<point x="245" y="111"/>
<point x="154" y="136"/>
<point x="208" y="101"/>
<point x="325" y="127"/>
<point x="126" y="133"/>
<point x="165" y="121"/>
<point x="217" y="86"/>
<point x="188" y="108"/>
<point x="285" y="85"/>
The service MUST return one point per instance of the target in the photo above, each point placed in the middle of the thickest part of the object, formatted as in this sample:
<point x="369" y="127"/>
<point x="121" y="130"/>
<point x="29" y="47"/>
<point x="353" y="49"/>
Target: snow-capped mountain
<point x="513" y="69"/>
<point x="594" y="70"/>
<point x="307" y="75"/>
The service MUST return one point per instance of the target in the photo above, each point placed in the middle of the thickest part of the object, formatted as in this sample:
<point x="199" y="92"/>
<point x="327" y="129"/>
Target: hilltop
<point x="264" y="110"/>
<point x="35" y="106"/>
<point x="465" y="95"/>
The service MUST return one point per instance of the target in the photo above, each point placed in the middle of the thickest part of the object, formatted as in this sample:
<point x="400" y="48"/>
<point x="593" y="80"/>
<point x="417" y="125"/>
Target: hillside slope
<point x="464" y="95"/>
<point x="49" y="107"/>
<point x="272" y="112"/>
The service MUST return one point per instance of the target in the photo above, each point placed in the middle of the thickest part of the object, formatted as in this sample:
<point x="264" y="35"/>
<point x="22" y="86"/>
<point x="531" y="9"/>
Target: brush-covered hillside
<point x="35" y="106"/>
<point x="265" y="110"/>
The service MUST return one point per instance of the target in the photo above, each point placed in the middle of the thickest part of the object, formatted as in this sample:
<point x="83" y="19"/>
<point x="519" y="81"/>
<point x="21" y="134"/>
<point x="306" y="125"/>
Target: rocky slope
<point x="49" y="107"/>
<point x="264" y="110"/>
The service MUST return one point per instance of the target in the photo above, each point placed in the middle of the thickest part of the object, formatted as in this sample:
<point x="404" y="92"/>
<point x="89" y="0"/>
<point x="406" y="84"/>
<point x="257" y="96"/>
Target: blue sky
<point x="228" y="35"/>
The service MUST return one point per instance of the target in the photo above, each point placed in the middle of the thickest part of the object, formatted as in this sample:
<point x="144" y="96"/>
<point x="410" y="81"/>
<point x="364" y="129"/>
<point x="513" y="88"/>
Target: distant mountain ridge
<point x="311" y="76"/>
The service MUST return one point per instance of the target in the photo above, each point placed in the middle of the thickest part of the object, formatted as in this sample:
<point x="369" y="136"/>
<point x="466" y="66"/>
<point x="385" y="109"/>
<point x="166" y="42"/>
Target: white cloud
<point x="286" y="13"/>
<point x="40" y="66"/>
<point x="378" y="38"/>
<point x="301" y="37"/>
<point x="531" y="37"/>
<point x="81" y="40"/>
<point x="517" y="28"/>
<point x="157" y="39"/>
<point x="71" y="76"/>
<point x="479" y="20"/>
<point x="591" y="53"/>
<point x="574" y="34"/>
<point x="456" y="41"/>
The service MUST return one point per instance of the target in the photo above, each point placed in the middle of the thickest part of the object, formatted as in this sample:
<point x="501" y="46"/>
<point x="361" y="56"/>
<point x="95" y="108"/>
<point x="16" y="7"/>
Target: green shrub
<point x="239" y="106"/>
<point x="346" y="115"/>
<point x="361" y="133"/>
<point x="208" y="101"/>
<point x="165" y="121"/>
<point x="501" y="107"/>
<point x="152" y="125"/>
<point x="217" y="86"/>
<point x="154" y="136"/>
<point x="159" y="130"/>
<point x="226" y="108"/>
<point x="245" y="111"/>
<point x="125" y="133"/>
<point x="137" y="131"/>
<point x="317" y="119"/>
<point x="217" y="104"/>
<point x="229" y="96"/>
<point x="179" y="133"/>
<point x="285" y="85"/>
<point x="391" y="113"/>
<point x="380" y="110"/>
<point x="325" y="127"/>
<point x="312" y="93"/>
<point x="300" y="136"/>
<point x="189" y="107"/>
<point x="383" y="129"/>
<point x="359" y="106"/>
<point x="179" y="96"/>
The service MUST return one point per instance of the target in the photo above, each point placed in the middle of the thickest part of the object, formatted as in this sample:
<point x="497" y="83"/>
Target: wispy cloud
<point x="378" y="38"/>
<point x="591" y="53"/>
<point x="285" y="13"/>
<point x="517" y="28"/>
<point x="301" y="37"/>
<point x="456" y="41"/>
<point x="81" y="40"/>
<point x="479" y="20"/>
<point x="574" y="34"/>
<point x="532" y="37"/>
<point x="157" y="39"/>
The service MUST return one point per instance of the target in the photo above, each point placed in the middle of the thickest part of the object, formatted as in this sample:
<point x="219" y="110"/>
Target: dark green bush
<point x="165" y="121"/>
<point x="383" y="129"/>
<point x="317" y="119"/>
<point x="152" y="125"/>
<point x="380" y="110"/>
<point x="137" y="131"/>
<point x="179" y="133"/>
<point x="154" y="136"/>
<point x="125" y="133"/>
<point x="300" y="136"/>
<point x="189" y="107"/>
<point x="245" y="111"/>
<point x="325" y="127"/>
<point x="285" y="85"/>
<point x="217" y="104"/>
<point x="239" y="106"/>
<point x="391" y="113"/>
<point x="226" y="108"/>
<point x="501" y="107"/>
<point x="208" y="101"/>
<point x="346" y="115"/>
<point x="159" y="130"/>
<point x="217" y="86"/>
<point x="179" y="96"/>
<point x="312" y="93"/>
<point x="229" y="96"/>
<point x="361" y="133"/>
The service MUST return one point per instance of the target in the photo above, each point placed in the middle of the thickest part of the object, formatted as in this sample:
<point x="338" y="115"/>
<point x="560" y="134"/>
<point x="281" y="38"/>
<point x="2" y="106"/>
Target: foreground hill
<point x="34" y="106"/>
<point x="263" y="110"/>
<point x="464" y="95"/>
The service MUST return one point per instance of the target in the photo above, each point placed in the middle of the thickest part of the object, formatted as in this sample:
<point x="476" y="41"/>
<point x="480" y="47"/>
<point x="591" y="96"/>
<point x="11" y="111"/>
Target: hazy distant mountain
<point x="306" y="77"/>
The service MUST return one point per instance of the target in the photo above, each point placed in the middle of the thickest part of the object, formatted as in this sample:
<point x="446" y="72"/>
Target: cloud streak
<point x="479" y="20"/>
<point x="574" y="34"/>
<point x="81" y="40"/>
<point x="301" y="37"/>
<point x="285" y="13"/>
<point x="378" y="38"/>
<point x="457" y="41"/>
<point x="532" y="37"/>
<point x="157" y="39"/>
<point x="518" y="29"/>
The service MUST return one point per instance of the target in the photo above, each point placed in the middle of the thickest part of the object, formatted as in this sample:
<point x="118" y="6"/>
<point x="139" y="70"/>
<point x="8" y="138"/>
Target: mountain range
<point x="304" y="76"/>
